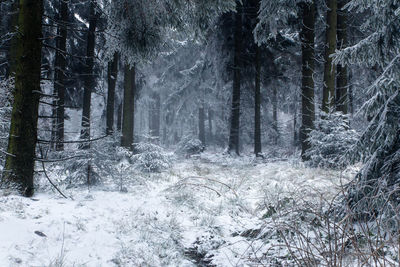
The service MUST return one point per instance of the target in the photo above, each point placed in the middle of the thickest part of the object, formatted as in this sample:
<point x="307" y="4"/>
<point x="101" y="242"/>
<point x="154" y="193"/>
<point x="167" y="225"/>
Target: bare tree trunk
<point x="257" y="104"/>
<point x="89" y="82"/>
<point x="307" y="36"/>
<point x="128" y="107"/>
<point x="154" y="116"/>
<point x="20" y="161"/>
<point x="275" y="114"/>
<point x="119" y="117"/>
<point x="328" y="96"/>
<point x="202" y="134"/>
<point x="60" y="68"/>
<point x="112" y="74"/>
<point x="233" y="144"/>
<point x="342" y="78"/>
<point x="210" y="126"/>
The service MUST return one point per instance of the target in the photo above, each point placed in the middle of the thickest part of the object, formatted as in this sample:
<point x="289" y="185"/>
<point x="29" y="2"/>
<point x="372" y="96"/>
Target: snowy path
<point x="199" y="206"/>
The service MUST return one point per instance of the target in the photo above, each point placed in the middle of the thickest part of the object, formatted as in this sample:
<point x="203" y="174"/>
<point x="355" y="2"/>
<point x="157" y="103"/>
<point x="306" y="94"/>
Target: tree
<point x="342" y="99"/>
<point x="379" y="145"/>
<point x="307" y="36"/>
<point x="20" y="161"/>
<point x="112" y="74"/>
<point x="128" y="107"/>
<point x="233" y="144"/>
<point x="328" y="93"/>
<point x="89" y="82"/>
<point x="59" y="75"/>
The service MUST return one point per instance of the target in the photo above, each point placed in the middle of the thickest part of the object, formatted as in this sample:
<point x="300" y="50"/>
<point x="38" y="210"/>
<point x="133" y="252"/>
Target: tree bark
<point x="307" y="36"/>
<point x="12" y="22"/>
<point x="89" y="82"/>
<point x="59" y="75"/>
<point x="128" y="107"/>
<point x="154" y="116"/>
<point x="275" y="114"/>
<point x="210" y="126"/>
<point x="20" y="161"/>
<point x="112" y="74"/>
<point x="328" y="96"/>
<point x="342" y="74"/>
<point x="233" y="144"/>
<point x="202" y="134"/>
<point x="257" y="104"/>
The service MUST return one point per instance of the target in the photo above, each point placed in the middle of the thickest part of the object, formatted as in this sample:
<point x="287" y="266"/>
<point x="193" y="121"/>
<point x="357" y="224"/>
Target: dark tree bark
<point x="328" y="96"/>
<point x="233" y="144"/>
<point x="210" y="125"/>
<point x="128" y="107"/>
<point x="112" y="74"/>
<point x="154" y="116"/>
<point x="20" y="161"/>
<point x="59" y="75"/>
<point x="257" y="104"/>
<point x="275" y="114"/>
<point x="307" y="36"/>
<point x="119" y="117"/>
<point x="342" y="74"/>
<point x="89" y="82"/>
<point x="12" y="22"/>
<point x="202" y="133"/>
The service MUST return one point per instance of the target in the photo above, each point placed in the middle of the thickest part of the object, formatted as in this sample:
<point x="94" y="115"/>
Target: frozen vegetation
<point x="207" y="210"/>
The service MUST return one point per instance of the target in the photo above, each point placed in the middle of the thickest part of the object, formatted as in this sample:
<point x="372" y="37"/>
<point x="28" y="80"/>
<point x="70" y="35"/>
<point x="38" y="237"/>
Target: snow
<point x="202" y="202"/>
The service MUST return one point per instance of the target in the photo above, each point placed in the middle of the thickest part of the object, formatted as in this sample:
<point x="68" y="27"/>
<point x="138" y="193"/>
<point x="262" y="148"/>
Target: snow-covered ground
<point x="202" y="210"/>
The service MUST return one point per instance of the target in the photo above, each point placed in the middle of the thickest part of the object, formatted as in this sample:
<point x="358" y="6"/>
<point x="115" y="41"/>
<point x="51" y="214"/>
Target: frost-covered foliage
<point x="151" y="158"/>
<point x="330" y="141"/>
<point x="272" y="14"/>
<point x="5" y="115"/>
<point x="379" y="145"/>
<point x="139" y="29"/>
<point x="190" y="146"/>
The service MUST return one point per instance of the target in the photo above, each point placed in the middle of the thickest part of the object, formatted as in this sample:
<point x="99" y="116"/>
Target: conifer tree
<point x="20" y="161"/>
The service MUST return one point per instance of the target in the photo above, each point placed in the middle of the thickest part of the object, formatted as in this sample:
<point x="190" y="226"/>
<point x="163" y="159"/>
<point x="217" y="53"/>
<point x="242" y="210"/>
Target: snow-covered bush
<point x="330" y="140"/>
<point x="190" y="146"/>
<point x="5" y="115"/>
<point x="151" y="158"/>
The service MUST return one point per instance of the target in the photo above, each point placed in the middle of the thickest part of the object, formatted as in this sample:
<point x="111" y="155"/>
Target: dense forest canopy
<point x="88" y="86"/>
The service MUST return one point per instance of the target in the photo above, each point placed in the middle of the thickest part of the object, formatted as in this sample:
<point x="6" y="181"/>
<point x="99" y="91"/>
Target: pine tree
<point x="307" y="36"/>
<point x="60" y="70"/>
<point x="379" y="146"/>
<point x="328" y="96"/>
<point x="342" y="99"/>
<point x="128" y="107"/>
<point x="19" y="167"/>
<point x="112" y="74"/>
<point x="89" y="82"/>
<point x="233" y="144"/>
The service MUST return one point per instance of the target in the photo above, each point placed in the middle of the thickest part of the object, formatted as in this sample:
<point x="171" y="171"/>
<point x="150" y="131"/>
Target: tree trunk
<point x="20" y="161"/>
<point x="154" y="116"/>
<point x="233" y="144"/>
<point x="257" y="105"/>
<point x="60" y="68"/>
<point x="275" y="114"/>
<point x="342" y="78"/>
<point x="307" y="36"/>
<point x="328" y="96"/>
<point x="210" y="126"/>
<point x="350" y="94"/>
<point x="112" y="74"/>
<point x="12" y="22"/>
<point x="202" y="133"/>
<point x="119" y="117"/>
<point x="89" y="82"/>
<point x="128" y="107"/>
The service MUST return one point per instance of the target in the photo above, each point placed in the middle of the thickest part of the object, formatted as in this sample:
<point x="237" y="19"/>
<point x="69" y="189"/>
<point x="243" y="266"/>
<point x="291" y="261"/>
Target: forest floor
<point x="208" y="210"/>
